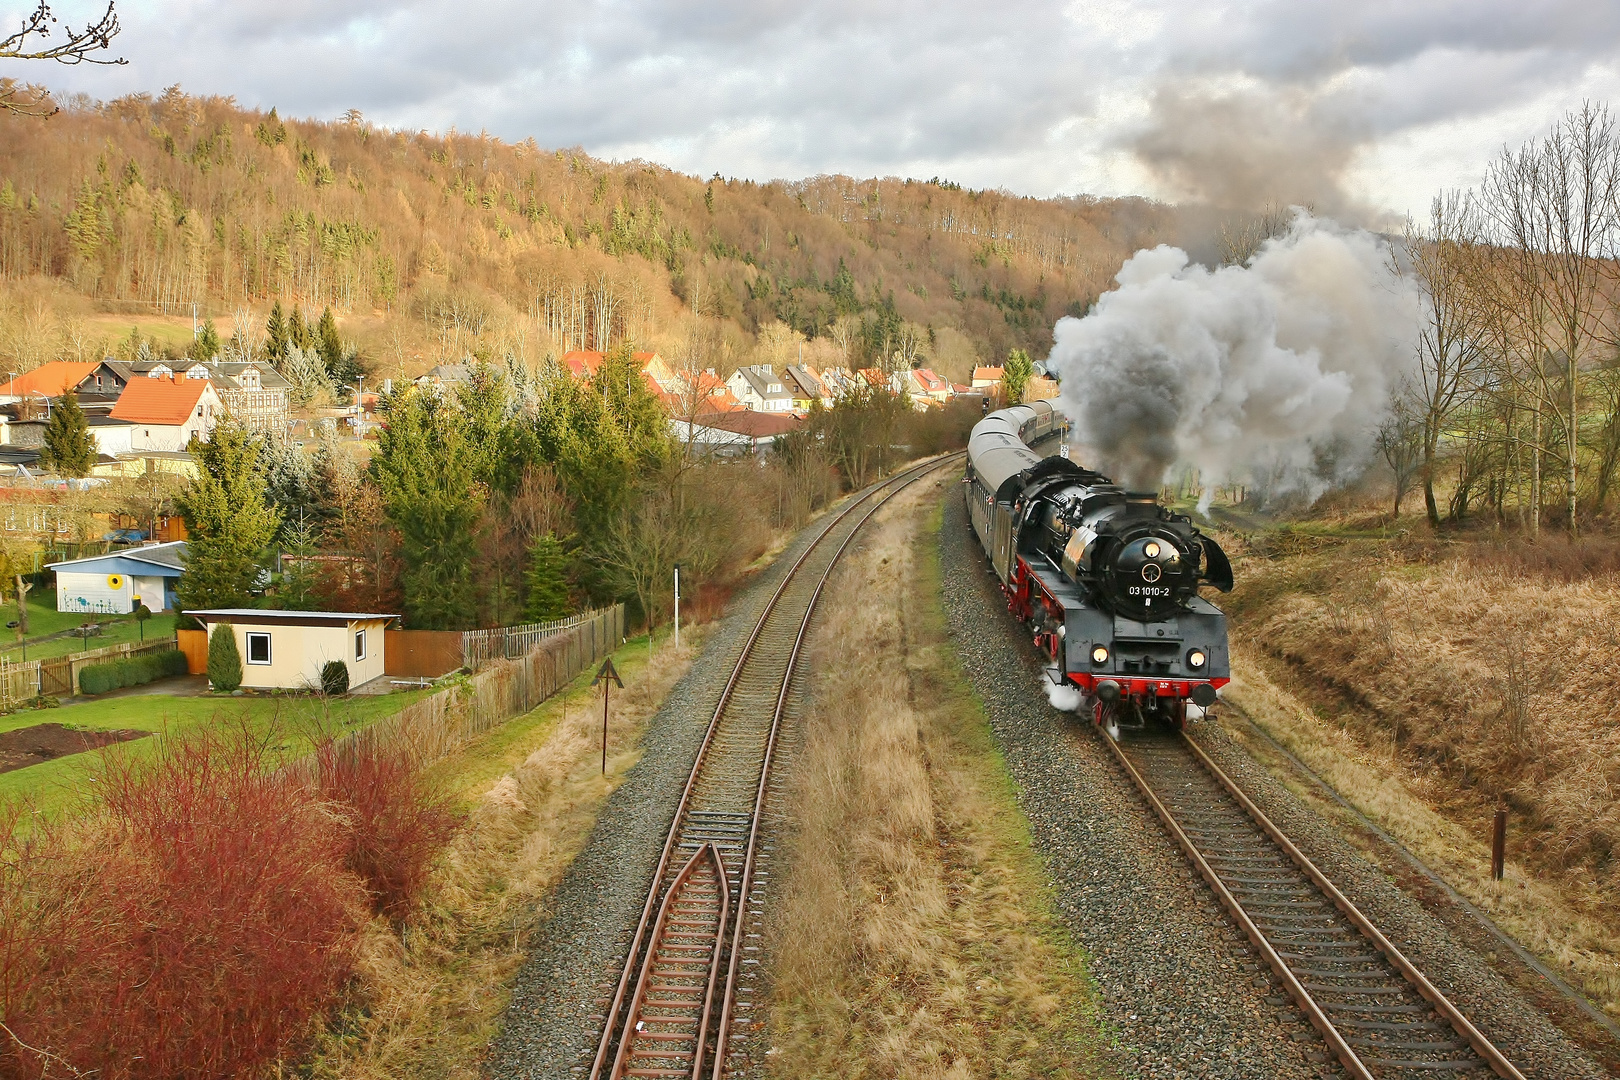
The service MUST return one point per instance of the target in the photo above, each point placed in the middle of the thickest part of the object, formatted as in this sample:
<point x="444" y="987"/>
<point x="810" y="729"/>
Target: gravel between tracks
<point x="1180" y="985"/>
<point x="552" y="1024"/>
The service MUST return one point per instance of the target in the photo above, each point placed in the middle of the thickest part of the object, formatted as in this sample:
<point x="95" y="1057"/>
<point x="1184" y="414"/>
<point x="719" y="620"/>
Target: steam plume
<point x="1062" y="696"/>
<point x="1251" y="148"/>
<point x="1275" y="373"/>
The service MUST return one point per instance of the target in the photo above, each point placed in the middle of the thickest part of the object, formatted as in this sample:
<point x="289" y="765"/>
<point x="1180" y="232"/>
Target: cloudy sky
<point x="1358" y="106"/>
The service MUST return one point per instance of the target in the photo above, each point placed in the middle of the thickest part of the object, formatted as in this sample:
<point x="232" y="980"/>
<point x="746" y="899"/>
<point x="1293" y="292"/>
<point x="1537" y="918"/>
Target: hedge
<point x="133" y="671"/>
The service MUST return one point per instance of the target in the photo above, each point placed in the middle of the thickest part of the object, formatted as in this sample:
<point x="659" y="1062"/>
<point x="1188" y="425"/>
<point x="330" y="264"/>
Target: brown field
<point x="1431" y="684"/>
<point x="915" y="935"/>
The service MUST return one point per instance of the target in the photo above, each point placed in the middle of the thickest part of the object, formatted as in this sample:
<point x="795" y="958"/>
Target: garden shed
<point x="112" y="584"/>
<point x="285" y="650"/>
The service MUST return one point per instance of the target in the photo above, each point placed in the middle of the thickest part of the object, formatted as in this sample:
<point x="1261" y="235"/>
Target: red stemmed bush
<point x="197" y="925"/>
<point x="395" y="824"/>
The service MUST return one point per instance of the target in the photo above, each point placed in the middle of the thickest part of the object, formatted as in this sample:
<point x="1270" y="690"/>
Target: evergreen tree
<point x="1015" y="376"/>
<point x="275" y="330"/>
<point x="224" y="659"/>
<point x="297" y="331"/>
<point x="69" y="448"/>
<point x="296" y="590"/>
<point x="547" y="581"/>
<point x="327" y="342"/>
<point x="205" y="346"/>
<point x="425" y="470"/>
<point x="228" y="519"/>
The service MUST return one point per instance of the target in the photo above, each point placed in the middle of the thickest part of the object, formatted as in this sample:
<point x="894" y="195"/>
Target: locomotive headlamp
<point x="1197" y="658"/>
<point x="1099" y="654"/>
<point x="1151" y="550"/>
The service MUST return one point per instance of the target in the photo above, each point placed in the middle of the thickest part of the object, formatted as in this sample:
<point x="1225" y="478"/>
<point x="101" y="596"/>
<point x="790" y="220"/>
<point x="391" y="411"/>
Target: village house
<point x="924" y="383"/>
<point x="805" y="386"/>
<point x="987" y="378"/>
<point x="286" y="650"/>
<point x="35" y="390"/>
<point x="759" y="389"/>
<point x="583" y="365"/>
<point x="691" y="395"/>
<point x="444" y="376"/>
<point x="736" y="434"/>
<point x="166" y="412"/>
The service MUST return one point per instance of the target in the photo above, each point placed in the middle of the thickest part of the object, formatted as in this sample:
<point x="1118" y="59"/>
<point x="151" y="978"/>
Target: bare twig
<point x="77" y="47"/>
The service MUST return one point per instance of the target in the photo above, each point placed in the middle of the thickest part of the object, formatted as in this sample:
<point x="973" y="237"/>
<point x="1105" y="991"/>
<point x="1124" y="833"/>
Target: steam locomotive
<point x="1106" y="579"/>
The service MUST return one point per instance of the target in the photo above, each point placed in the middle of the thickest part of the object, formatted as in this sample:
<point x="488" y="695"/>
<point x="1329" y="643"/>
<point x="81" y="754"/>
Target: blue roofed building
<point x="112" y="584"/>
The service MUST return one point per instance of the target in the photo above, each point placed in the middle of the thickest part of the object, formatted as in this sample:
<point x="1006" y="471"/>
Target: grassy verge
<point x="43" y="619"/>
<point x="915" y="934"/>
<point x="431" y="994"/>
<point x="53" y="786"/>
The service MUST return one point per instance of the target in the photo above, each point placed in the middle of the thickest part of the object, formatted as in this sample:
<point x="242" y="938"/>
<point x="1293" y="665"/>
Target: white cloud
<point x="1039" y="96"/>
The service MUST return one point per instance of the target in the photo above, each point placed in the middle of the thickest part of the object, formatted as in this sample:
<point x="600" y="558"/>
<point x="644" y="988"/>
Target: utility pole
<point x="677" y="605"/>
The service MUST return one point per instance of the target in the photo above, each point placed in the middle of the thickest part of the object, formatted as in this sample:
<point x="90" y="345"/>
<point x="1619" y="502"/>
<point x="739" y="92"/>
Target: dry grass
<point x="430" y="995"/>
<point x="915" y="934"/>
<point x="1451" y="684"/>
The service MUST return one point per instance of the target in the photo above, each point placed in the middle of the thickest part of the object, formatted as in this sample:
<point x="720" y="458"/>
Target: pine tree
<point x="224" y="659"/>
<point x="296" y="590"/>
<point x="547" y="581"/>
<point x="1015" y="376"/>
<point x="297" y="332"/>
<point x="327" y="342"/>
<point x="69" y="448"/>
<point x="275" y="330"/>
<point x="228" y="519"/>
<point x="205" y="346"/>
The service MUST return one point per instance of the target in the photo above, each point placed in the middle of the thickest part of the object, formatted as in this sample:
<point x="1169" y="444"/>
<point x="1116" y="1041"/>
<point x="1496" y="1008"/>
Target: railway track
<point x="672" y="1009"/>
<point x="1376" y="1011"/>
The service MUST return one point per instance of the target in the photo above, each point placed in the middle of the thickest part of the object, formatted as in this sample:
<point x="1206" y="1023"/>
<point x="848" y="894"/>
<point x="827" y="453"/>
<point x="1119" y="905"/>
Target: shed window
<point x="258" y="648"/>
<point x="359" y="644"/>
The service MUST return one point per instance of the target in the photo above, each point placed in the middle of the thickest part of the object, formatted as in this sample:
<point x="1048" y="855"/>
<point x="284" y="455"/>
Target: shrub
<point x="194" y="930"/>
<point x="224" y="659"/>
<point x="132" y="671"/>
<point x="396" y="822"/>
<point x="335" y="678"/>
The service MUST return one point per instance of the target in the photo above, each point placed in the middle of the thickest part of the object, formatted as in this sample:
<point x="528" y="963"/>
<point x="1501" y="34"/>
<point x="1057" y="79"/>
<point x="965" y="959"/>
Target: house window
<point x="359" y="644"/>
<point x="258" y="648"/>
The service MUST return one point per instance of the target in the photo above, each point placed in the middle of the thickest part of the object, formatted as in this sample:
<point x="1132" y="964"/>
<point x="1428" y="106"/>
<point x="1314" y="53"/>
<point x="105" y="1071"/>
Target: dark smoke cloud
<point x="1251" y="149"/>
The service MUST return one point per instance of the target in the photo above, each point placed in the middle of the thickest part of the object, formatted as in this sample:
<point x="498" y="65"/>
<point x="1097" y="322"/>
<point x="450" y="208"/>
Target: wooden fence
<point x="479" y="647"/>
<point x="443" y="723"/>
<point x="59" y="675"/>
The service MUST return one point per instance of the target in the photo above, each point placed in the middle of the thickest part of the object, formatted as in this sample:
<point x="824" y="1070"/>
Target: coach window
<point x="359" y="644"/>
<point x="258" y="648"/>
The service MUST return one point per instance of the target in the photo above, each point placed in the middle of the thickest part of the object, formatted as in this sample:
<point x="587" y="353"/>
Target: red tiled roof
<point x="163" y="400"/>
<point x="51" y="380"/>
<point x="928" y="380"/>
<point x="755" y="425"/>
<point x="583" y="363"/>
<point x="992" y="373"/>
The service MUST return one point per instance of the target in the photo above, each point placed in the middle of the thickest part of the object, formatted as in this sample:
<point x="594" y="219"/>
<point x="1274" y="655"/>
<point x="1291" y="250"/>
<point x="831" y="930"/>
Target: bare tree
<point x="1401" y="440"/>
<point x="1448" y="348"/>
<point x="1553" y="204"/>
<point x="28" y="43"/>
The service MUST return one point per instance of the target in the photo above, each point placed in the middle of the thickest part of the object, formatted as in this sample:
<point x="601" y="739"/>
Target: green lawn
<point x="294" y="720"/>
<point x="43" y="618"/>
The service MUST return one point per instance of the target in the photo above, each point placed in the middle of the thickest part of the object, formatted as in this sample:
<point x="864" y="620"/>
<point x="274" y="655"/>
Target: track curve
<point x="671" y="1010"/>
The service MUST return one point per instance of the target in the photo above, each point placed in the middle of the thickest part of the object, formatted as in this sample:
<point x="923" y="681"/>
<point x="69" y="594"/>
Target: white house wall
<point x="91" y="593"/>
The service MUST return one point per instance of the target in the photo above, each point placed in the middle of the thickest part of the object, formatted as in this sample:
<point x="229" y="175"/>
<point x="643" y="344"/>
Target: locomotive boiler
<point x="1106" y="580"/>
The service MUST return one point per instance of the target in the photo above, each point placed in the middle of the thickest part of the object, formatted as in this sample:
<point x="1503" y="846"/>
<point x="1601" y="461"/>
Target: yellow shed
<point x="285" y="650"/>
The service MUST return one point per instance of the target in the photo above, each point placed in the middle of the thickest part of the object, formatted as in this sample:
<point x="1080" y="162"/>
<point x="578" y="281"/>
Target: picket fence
<point x="59" y="675"/>
<point x="441" y="724"/>
<point x="479" y="647"/>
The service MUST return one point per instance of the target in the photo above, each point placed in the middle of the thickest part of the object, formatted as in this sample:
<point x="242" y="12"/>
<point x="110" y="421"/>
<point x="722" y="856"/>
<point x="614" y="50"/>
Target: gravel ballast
<point x="554" y="1019"/>
<point x="1181" y="988"/>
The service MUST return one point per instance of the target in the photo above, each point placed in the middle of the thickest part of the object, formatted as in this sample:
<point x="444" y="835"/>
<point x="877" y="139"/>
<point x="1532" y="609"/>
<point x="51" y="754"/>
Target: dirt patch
<point x="47" y="742"/>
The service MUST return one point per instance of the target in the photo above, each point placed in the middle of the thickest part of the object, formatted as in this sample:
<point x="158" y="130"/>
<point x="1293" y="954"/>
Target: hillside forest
<point x="434" y="248"/>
